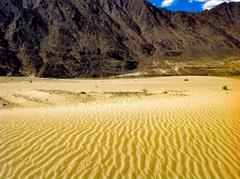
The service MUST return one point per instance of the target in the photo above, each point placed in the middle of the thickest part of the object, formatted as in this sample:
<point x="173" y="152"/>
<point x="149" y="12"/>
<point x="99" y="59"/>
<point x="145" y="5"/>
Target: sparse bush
<point x="145" y="91"/>
<point x="186" y="79"/>
<point x="226" y="88"/>
<point x="30" y="81"/>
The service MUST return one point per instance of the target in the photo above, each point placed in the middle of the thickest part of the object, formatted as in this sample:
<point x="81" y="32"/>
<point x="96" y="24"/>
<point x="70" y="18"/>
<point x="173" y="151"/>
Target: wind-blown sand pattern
<point x="116" y="129"/>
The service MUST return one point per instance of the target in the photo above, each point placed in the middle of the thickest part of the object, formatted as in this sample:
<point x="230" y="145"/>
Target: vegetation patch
<point x="226" y="88"/>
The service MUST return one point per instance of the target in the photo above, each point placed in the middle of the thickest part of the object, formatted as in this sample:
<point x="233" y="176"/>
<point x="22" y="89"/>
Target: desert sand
<point x="164" y="127"/>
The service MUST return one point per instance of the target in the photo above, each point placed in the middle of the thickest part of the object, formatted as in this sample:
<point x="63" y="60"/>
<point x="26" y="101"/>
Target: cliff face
<point x="79" y="38"/>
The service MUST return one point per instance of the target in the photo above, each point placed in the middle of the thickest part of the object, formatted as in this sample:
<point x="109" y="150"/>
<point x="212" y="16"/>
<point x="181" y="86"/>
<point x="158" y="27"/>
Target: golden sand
<point x="120" y="128"/>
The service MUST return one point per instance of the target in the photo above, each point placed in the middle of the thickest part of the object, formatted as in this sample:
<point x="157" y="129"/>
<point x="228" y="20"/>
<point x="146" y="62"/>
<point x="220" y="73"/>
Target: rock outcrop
<point x="95" y="38"/>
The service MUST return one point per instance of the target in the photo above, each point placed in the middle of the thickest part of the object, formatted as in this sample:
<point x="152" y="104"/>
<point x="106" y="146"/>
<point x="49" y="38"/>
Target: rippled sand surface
<point x="120" y="128"/>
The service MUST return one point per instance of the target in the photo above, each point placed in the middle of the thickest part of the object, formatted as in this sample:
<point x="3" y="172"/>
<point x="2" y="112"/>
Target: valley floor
<point x="175" y="127"/>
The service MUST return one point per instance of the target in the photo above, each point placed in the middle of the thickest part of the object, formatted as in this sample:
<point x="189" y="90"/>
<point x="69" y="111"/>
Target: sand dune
<point x="116" y="129"/>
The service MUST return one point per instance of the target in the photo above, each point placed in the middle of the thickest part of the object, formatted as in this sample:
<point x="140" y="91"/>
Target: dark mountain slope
<point x="73" y="38"/>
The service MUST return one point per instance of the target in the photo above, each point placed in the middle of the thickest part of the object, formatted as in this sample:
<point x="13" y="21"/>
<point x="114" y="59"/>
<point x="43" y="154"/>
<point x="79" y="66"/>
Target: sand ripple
<point x="138" y="139"/>
<point x="126" y="135"/>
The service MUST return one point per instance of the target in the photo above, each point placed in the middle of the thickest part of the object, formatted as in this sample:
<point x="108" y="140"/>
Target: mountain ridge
<point x="97" y="38"/>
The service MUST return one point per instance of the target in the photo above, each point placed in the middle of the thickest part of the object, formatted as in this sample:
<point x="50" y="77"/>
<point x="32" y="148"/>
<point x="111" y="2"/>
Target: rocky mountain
<point x="95" y="38"/>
